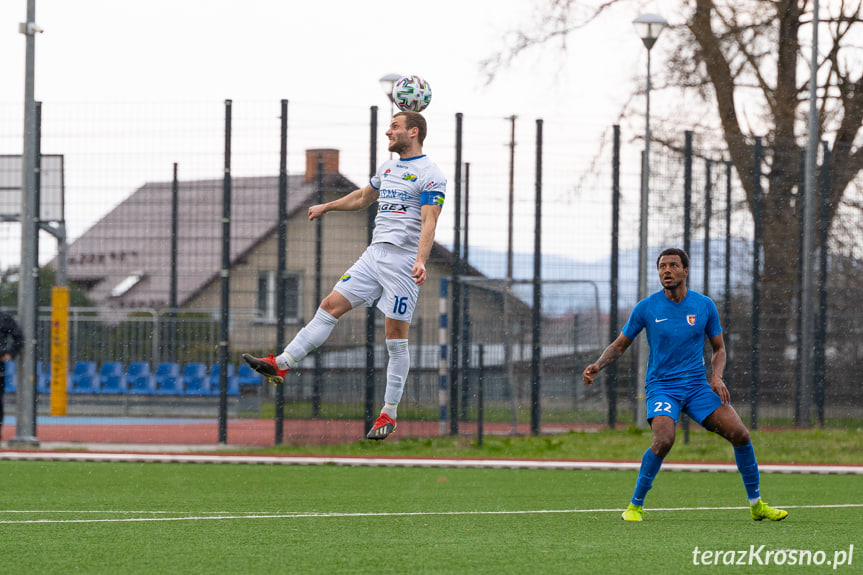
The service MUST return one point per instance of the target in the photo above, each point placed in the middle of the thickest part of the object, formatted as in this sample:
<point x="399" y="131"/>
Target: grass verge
<point x="841" y="446"/>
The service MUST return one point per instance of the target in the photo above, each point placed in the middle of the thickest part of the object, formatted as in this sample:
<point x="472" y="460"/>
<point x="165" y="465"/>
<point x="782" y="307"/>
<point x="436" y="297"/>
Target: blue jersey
<point x="675" y="334"/>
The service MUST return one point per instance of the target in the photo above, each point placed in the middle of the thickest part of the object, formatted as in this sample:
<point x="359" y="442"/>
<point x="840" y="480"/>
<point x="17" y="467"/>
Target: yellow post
<point x="59" y="348"/>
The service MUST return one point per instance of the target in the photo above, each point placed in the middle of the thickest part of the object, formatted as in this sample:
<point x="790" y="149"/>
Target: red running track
<point x="246" y="432"/>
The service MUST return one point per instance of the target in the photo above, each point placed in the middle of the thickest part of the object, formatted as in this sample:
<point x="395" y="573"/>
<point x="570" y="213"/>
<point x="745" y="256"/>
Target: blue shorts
<point x="697" y="400"/>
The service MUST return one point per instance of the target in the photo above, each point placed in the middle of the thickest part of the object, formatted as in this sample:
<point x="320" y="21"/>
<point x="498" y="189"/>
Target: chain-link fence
<point x="124" y="165"/>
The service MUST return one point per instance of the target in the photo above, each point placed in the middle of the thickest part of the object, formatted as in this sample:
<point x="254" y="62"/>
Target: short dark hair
<point x="415" y="120"/>
<point x="684" y="258"/>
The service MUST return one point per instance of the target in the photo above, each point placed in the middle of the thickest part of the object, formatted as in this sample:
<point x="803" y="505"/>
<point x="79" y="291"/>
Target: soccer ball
<point x="412" y="93"/>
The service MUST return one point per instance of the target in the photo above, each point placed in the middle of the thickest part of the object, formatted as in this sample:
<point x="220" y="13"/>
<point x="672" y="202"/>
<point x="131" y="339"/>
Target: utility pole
<point x="511" y="335"/>
<point x="25" y="428"/>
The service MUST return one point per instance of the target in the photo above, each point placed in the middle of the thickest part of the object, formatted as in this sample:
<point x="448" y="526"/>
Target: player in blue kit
<point x="676" y="321"/>
<point x="410" y="194"/>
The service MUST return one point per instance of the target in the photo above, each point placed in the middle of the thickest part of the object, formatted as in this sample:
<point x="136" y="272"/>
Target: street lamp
<point x="648" y="27"/>
<point x="388" y="82"/>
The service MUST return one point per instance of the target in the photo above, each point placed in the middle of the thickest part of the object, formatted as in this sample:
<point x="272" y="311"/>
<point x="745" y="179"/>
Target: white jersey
<point x="404" y="186"/>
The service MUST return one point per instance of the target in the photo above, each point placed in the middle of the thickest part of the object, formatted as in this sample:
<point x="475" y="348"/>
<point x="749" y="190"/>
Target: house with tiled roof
<point x="124" y="261"/>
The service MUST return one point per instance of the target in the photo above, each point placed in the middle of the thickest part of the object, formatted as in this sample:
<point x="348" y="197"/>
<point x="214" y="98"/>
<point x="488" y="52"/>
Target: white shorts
<point x="382" y="275"/>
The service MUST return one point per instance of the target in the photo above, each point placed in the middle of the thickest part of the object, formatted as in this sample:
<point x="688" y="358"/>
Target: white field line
<point x="240" y="516"/>
<point x="409" y="462"/>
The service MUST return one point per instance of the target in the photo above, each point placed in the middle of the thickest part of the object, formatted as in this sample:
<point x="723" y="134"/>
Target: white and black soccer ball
<point x="412" y="93"/>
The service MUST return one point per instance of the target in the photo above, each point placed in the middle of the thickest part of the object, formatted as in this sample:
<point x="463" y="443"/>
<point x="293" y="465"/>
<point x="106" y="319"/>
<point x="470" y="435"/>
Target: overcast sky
<point x="263" y="49"/>
<point x="313" y="53"/>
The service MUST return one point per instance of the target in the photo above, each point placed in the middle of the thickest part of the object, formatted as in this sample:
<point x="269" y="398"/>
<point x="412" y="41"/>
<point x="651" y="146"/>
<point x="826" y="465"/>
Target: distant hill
<point x="574" y="285"/>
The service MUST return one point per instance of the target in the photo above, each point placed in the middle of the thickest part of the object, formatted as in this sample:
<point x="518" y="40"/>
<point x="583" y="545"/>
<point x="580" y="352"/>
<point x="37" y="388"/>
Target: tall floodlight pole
<point x="648" y="27"/>
<point x="807" y="305"/>
<point x="25" y="429"/>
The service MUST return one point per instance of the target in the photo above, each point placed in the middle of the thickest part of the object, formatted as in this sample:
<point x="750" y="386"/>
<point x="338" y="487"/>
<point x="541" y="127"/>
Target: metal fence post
<point x="281" y="262"/>
<point x="612" y="371"/>
<point x="224" y="316"/>
<point x="456" y="284"/>
<point x="480" y="398"/>
<point x="821" y="334"/>
<point x="369" y="408"/>
<point x="756" y="285"/>
<point x="536" y="377"/>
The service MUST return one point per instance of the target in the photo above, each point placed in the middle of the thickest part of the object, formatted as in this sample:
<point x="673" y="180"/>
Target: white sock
<point x="754" y="501"/>
<point x="308" y="339"/>
<point x="397" y="370"/>
<point x="285" y="361"/>
<point x="390" y="410"/>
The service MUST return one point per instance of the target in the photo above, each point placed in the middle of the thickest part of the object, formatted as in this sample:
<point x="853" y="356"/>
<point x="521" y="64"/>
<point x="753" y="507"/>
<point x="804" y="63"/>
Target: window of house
<point x="267" y="295"/>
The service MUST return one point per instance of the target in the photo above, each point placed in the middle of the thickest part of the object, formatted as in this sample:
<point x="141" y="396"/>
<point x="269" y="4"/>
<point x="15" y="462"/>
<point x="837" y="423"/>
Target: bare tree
<point x="748" y="61"/>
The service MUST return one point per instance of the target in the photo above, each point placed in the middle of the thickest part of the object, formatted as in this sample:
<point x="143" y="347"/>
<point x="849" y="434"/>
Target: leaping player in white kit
<point x="410" y="194"/>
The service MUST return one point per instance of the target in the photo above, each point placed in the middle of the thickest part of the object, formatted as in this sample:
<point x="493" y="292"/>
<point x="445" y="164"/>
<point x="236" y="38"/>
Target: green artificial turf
<point x="93" y="517"/>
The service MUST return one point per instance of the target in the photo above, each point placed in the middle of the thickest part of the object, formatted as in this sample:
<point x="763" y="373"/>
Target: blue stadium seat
<point x="233" y="380"/>
<point x="248" y="376"/>
<point x="84" y="378"/>
<point x="11" y="376"/>
<point x="112" y="378"/>
<point x="43" y="378"/>
<point x="168" y="381"/>
<point x="195" y="380"/>
<point x="139" y="379"/>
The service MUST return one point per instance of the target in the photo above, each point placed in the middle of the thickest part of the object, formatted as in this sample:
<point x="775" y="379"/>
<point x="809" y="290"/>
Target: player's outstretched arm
<point x="609" y="356"/>
<point x="356" y="200"/>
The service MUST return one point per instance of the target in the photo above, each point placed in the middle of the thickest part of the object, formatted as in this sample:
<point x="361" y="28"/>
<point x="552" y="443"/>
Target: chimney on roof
<point x="328" y="156"/>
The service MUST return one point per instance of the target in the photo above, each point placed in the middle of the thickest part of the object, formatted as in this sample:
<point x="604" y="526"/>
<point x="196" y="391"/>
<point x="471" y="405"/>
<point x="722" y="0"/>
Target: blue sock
<point x="748" y="467"/>
<point x="650" y="464"/>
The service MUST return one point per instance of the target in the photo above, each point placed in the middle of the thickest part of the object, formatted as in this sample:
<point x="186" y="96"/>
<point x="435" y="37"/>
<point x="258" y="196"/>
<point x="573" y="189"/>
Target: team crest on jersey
<point x="690" y="319"/>
<point x="345" y="278"/>
<point x="409" y="177"/>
